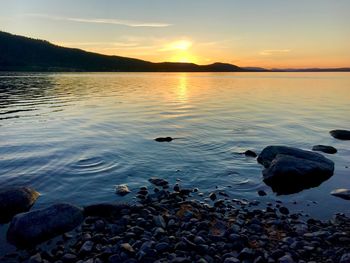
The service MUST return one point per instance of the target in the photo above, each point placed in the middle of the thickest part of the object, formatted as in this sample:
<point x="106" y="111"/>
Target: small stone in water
<point x="324" y="148"/>
<point x="212" y="196"/>
<point x="122" y="189"/>
<point x="250" y="153"/>
<point x="342" y="193"/>
<point x="163" y="139"/>
<point x="158" y="181"/>
<point x="261" y="193"/>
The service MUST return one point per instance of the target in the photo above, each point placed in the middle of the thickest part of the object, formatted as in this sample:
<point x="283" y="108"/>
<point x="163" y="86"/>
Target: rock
<point x="127" y="247"/>
<point x="342" y="193"/>
<point x="69" y="258"/>
<point x="324" y="148"/>
<point x="290" y="170"/>
<point x="86" y="247"/>
<point x="341" y="134"/>
<point x="250" y="153"/>
<point x="159" y="221"/>
<point x="158" y="181"/>
<point x="164" y="139"/>
<point x="16" y="200"/>
<point x="246" y="254"/>
<point x="122" y="189"/>
<point x="286" y="259"/>
<point x="345" y="258"/>
<point x="181" y="260"/>
<point x="100" y="225"/>
<point x="31" y="228"/>
<point x="284" y="210"/>
<point x="161" y="247"/>
<point x="232" y="260"/>
<point x="35" y="258"/>
<point x="261" y="193"/>
<point x="212" y="196"/>
<point x="105" y="209"/>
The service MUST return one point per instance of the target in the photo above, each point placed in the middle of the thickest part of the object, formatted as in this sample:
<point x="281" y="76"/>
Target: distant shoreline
<point x="248" y="71"/>
<point x="23" y="54"/>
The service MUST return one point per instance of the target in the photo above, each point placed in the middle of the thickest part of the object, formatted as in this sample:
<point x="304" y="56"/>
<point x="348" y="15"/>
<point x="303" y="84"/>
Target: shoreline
<point x="170" y="226"/>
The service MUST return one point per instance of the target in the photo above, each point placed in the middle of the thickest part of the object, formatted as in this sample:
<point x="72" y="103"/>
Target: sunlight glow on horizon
<point x="269" y="33"/>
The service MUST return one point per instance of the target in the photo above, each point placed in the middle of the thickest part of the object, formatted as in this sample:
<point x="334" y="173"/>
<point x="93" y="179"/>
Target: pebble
<point x="86" y="247"/>
<point x="170" y="227"/>
<point x="212" y="196"/>
<point x="261" y="193"/>
<point x="284" y="210"/>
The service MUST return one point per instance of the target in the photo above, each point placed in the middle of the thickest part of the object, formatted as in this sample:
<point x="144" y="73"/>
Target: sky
<point x="256" y="33"/>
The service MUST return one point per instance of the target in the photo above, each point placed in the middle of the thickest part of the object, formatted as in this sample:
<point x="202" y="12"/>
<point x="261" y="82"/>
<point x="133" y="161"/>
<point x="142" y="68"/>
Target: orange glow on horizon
<point x="187" y="52"/>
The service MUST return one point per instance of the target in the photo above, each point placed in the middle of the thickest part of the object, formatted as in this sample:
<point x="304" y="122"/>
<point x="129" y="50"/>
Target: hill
<point x="18" y="53"/>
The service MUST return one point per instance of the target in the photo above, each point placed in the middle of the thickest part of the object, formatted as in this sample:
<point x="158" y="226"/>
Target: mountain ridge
<point x="20" y="53"/>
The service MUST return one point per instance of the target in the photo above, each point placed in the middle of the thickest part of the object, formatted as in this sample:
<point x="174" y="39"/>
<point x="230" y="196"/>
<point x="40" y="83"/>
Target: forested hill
<point x="18" y="53"/>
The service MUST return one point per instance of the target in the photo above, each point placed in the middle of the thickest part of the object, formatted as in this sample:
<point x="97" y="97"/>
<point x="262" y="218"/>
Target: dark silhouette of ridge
<point x="18" y="53"/>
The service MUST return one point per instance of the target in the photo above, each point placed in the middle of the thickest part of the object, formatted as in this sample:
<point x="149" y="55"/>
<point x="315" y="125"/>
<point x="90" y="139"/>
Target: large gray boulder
<point x="34" y="227"/>
<point x="16" y="200"/>
<point x="290" y="170"/>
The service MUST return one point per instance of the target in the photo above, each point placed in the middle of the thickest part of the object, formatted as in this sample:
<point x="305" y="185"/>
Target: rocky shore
<point x="181" y="225"/>
<point x="172" y="226"/>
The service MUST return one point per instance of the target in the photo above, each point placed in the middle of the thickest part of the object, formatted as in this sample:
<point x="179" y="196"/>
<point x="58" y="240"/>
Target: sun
<point x="180" y="51"/>
<point x="183" y="56"/>
<point x="180" y="45"/>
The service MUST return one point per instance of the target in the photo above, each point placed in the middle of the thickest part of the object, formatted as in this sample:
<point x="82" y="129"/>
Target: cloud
<point x="107" y="21"/>
<point x="269" y="52"/>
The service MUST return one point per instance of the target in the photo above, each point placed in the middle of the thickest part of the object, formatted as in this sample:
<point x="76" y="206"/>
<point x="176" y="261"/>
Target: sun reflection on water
<point x="182" y="88"/>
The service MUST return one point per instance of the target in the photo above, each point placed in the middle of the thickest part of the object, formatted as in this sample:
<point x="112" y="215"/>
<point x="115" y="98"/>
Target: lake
<point x="73" y="136"/>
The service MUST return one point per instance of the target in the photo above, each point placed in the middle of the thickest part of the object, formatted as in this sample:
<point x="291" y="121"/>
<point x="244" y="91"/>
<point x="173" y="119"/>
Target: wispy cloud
<point x="107" y="21"/>
<point x="269" y="52"/>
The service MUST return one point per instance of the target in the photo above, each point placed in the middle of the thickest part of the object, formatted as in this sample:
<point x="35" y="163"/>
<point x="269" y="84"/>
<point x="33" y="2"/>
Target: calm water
<point x="74" y="136"/>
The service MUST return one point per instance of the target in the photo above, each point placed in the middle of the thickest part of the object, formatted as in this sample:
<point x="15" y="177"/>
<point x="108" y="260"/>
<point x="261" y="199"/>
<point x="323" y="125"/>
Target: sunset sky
<point x="264" y="33"/>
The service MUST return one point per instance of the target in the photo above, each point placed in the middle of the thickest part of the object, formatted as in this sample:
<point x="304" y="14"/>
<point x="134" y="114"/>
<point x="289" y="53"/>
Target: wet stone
<point x="122" y="189"/>
<point x="261" y="193"/>
<point x="158" y="181"/>
<point x="284" y="210"/>
<point x="250" y="153"/>
<point x="86" y="247"/>
<point x="212" y="196"/>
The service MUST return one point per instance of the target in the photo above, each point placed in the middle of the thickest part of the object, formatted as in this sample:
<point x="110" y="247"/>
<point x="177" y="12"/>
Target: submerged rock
<point x="250" y="153"/>
<point x="158" y="181"/>
<point x="16" y="200"/>
<point x="341" y="134"/>
<point x="122" y="189"/>
<point x="163" y="139"/>
<point x="342" y="193"/>
<point x="290" y="170"/>
<point x="324" y="148"/>
<point x="31" y="228"/>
